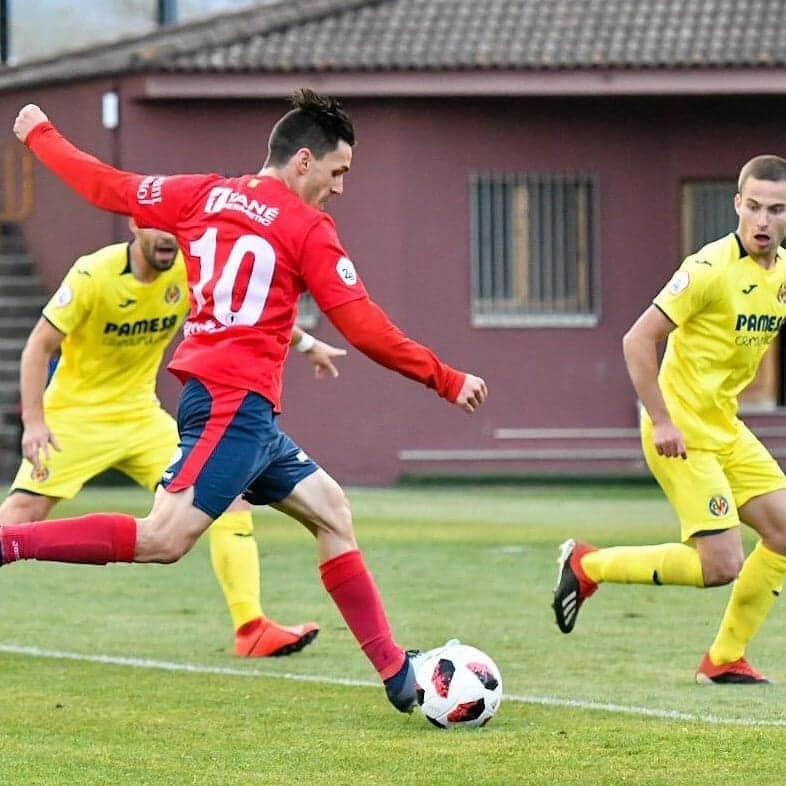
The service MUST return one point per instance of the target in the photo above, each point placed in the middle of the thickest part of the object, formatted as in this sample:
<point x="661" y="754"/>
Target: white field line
<point x="546" y="701"/>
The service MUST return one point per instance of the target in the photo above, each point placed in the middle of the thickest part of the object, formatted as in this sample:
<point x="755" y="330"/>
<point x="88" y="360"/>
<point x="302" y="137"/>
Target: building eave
<point x="595" y="82"/>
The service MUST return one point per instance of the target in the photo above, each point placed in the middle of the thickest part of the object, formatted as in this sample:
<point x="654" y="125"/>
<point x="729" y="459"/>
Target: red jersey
<point x="252" y="246"/>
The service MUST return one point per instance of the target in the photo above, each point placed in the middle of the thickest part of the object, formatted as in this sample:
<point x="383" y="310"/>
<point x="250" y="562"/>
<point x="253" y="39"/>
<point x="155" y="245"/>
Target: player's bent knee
<point x="339" y="522"/>
<point x="161" y="542"/>
<point x="719" y="573"/>
<point x="332" y="512"/>
<point x="774" y="538"/>
<point x="19" y="507"/>
<point x="336" y="525"/>
<point x="168" y="552"/>
<point x="170" y="555"/>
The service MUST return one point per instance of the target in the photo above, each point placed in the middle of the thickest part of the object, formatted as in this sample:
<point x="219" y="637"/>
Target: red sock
<point x="354" y="591"/>
<point x="94" y="539"/>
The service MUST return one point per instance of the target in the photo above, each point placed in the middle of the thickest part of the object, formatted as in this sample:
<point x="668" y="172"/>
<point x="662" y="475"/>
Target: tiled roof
<point x="389" y="36"/>
<point x="446" y="35"/>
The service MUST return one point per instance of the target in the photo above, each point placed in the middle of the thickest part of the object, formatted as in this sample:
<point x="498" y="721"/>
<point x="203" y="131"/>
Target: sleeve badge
<point x="679" y="283"/>
<point x="63" y="296"/>
<point x="346" y="271"/>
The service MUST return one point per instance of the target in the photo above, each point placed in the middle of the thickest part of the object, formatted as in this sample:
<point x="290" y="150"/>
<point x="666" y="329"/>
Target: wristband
<point x="306" y="342"/>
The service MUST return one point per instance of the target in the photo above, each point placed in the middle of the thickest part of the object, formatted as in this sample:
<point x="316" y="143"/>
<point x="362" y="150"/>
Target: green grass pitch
<point x="613" y="703"/>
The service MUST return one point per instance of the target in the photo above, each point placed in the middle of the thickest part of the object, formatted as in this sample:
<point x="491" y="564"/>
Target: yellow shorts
<point x="140" y="447"/>
<point x="709" y="487"/>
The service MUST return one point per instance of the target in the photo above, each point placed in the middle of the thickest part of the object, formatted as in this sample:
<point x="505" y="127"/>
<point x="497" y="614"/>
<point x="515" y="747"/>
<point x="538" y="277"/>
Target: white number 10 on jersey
<point x="262" y="265"/>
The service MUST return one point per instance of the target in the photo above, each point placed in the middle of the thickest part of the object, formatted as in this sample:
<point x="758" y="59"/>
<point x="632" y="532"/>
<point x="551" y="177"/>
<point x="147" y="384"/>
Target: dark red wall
<point x="62" y="226"/>
<point x="404" y="219"/>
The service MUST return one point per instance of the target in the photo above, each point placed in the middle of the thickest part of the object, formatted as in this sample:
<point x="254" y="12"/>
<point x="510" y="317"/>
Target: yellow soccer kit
<point x="102" y="407"/>
<point x="116" y="330"/>
<point x="101" y="403"/>
<point x="728" y="309"/>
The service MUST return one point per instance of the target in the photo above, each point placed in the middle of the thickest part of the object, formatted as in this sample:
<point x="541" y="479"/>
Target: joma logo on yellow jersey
<point x="758" y="322"/>
<point x="154" y="325"/>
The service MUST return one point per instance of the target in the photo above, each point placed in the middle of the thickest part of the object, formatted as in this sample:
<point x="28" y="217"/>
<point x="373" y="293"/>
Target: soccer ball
<point x="458" y="685"/>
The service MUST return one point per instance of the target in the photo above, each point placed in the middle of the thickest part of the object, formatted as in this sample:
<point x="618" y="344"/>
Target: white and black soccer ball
<point x="458" y="685"/>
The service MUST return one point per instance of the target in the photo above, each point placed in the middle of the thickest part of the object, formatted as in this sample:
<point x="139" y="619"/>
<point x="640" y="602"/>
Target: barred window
<point x="534" y="249"/>
<point x="707" y="212"/>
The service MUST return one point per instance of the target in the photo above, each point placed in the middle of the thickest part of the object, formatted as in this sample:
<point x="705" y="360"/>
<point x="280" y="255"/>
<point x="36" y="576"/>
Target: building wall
<point x="62" y="226"/>
<point x="404" y="220"/>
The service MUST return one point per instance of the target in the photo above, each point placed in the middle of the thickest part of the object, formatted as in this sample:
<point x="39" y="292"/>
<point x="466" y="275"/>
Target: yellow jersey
<point x="728" y="309"/>
<point x="116" y="331"/>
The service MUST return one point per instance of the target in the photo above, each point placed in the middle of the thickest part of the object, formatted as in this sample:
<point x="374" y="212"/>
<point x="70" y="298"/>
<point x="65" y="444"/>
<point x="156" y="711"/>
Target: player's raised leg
<point x="319" y="503"/>
<point x="582" y="568"/>
<point x="710" y="553"/>
<point x="150" y="446"/>
<point x="164" y="535"/>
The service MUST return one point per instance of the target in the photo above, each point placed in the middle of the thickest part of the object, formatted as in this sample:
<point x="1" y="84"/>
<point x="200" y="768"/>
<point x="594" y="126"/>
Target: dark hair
<point x="315" y="122"/>
<point x="763" y="168"/>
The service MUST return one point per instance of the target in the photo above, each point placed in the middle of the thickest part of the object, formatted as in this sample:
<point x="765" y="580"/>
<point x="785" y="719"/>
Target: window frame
<point x="484" y="313"/>
<point x="688" y="227"/>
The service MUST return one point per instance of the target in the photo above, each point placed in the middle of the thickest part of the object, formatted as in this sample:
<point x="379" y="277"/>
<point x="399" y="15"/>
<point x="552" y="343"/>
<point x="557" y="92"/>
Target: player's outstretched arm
<point x="100" y="184"/>
<point x="320" y="353"/>
<point x="43" y="342"/>
<point x="367" y="327"/>
<point x="640" y="348"/>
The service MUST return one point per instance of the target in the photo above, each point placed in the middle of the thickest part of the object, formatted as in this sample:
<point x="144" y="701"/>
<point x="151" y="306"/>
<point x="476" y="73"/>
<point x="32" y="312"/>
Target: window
<point x="307" y="311"/>
<point x="707" y="212"/>
<point x="534" y="250"/>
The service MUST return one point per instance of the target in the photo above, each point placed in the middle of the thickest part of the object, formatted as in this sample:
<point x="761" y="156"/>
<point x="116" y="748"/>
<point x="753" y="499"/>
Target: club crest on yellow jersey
<point x="39" y="475"/>
<point x="718" y="505"/>
<point x="782" y="294"/>
<point x="172" y="294"/>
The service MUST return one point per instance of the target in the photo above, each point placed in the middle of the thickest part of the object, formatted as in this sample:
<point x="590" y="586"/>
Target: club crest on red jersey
<point x="172" y="294"/>
<point x="782" y="294"/>
<point x="718" y="505"/>
<point x="39" y="475"/>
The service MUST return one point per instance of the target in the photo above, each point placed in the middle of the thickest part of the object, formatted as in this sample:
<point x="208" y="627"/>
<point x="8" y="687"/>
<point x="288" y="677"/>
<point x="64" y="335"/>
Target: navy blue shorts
<point x="230" y="444"/>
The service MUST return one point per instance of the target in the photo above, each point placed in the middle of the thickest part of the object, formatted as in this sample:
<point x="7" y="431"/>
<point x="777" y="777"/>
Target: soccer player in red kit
<point x="252" y="245"/>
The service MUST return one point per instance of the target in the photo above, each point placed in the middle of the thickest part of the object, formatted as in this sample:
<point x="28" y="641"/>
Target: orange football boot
<point x="738" y="672"/>
<point x="267" y="639"/>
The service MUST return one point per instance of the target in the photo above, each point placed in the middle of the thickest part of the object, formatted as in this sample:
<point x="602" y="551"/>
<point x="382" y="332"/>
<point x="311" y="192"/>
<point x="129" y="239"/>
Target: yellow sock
<point x="759" y="583"/>
<point x="667" y="563"/>
<point x="235" y="558"/>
